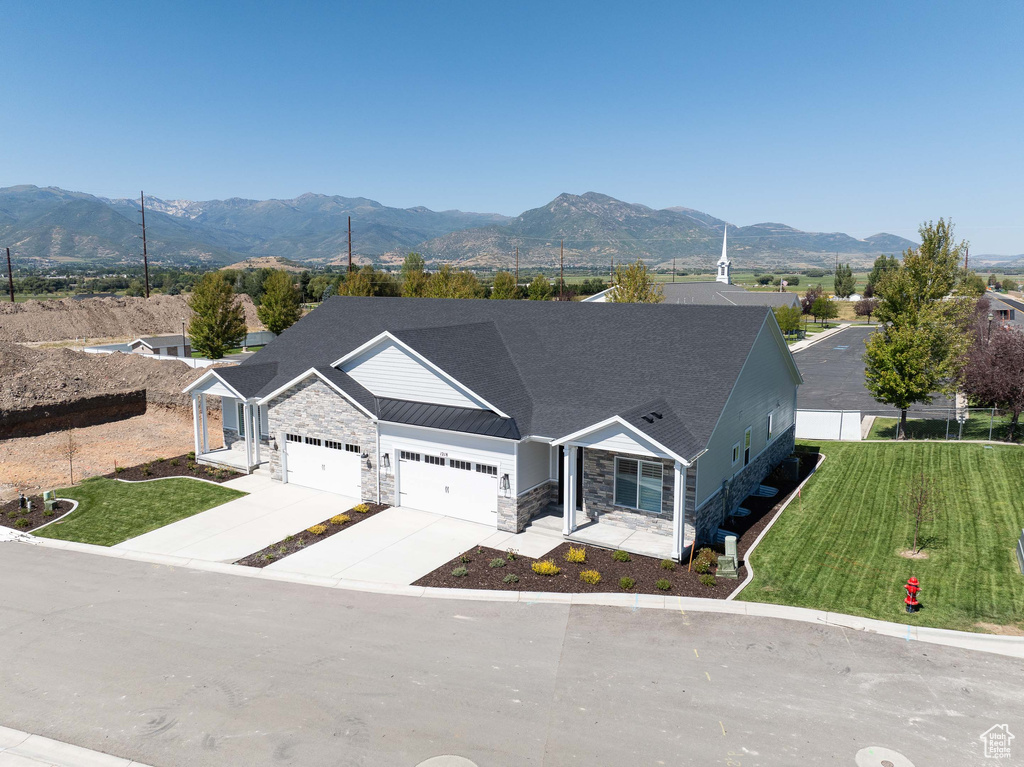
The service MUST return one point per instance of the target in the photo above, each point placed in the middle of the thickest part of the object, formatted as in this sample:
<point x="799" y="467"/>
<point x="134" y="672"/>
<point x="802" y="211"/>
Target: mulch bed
<point x="645" y="571"/>
<point x="178" y="466"/>
<point x="11" y="513"/>
<point x="275" y="552"/>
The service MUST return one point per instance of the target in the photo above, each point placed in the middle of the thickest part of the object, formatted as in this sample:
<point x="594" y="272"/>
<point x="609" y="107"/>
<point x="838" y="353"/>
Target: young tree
<point x="822" y="307"/>
<point x="865" y="307"/>
<point x="788" y="318"/>
<point x="814" y="292"/>
<point x="540" y="288"/>
<point x="505" y="286"/>
<point x="69" y="449"/>
<point x="994" y="373"/>
<point x="634" y="285"/>
<point x="898" y="369"/>
<point x="844" y="281"/>
<point x="922" y="503"/>
<point x="280" y="308"/>
<point x="218" y="320"/>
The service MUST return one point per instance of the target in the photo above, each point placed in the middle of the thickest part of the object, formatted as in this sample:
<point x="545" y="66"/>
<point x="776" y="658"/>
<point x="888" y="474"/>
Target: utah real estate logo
<point x="997" y="741"/>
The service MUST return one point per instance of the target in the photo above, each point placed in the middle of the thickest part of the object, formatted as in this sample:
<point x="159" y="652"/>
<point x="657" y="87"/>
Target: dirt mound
<point x="40" y="377"/>
<point x="68" y="318"/>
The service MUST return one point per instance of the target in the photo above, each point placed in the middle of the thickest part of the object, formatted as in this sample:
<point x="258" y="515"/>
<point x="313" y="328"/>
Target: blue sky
<point x="855" y="117"/>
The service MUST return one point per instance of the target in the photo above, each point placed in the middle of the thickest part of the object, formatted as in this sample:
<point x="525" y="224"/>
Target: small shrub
<point x="620" y="556"/>
<point x="160" y="460"/>
<point x="118" y="469"/>
<point x="211" y="472"/>
<point x="511" y="578"/>
<point x="663" y="585"/>
<point x="13" y="513"/>
<point x="340" y="519"/>
<point x="362" y="508"/>
<point x="707" y="580"/>
<point x="458" y="572"/>
<point x="288" y="538"/>
<point x="146" y="470"/>
<point x="221" y="473"/>
<point x="22" y="522"/>
<point x="268" y="557"/>
<point x="592" y="577"/>
<point x="317" y="529"/>
<point x="191" y="455"/>
<point x="545" y="567"/>
<point x="626" y="583"/>
<point x="707" y="555"/>
<point x="47" y="513"/>
<point x="191" y="466"/>
<point x="175" y="462"/>
<point x="496" y="562"/>
<point x="701" y="566"/>
<point x="511" y="555"/>
<point x="465" y="559"/>
<point x="668" y="564"/>
<point x="576" y="555"/>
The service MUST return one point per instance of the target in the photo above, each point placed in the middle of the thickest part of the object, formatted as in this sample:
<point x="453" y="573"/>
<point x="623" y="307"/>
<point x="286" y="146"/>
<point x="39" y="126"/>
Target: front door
<point x="579" y="476"/>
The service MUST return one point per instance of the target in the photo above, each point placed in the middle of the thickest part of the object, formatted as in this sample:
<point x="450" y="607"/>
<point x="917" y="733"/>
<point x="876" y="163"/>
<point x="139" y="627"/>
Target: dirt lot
<point x="36" y="463"/>
<point x="46" y="376"/>
<point x="100" y="318"/>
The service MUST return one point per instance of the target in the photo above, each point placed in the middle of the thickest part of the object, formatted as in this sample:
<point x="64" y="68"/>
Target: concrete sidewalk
<point x="20" y="749"/>
<point x="801" y="345"/>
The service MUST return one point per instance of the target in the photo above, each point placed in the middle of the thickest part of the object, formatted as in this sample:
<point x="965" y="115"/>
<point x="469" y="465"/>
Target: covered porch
<point x="241" y="453"/>
<point x="619" y="489"/>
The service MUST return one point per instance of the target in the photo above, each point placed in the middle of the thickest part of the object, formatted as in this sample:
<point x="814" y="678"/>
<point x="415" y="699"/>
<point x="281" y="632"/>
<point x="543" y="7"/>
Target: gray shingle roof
<point x="720" y="294"/>
<point x="162" y="342"/>
<point x="554" y="367"/>
<point x="447" y="417"/>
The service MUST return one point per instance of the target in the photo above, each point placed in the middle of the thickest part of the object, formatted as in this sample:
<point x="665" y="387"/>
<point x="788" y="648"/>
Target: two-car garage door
<point x="451" y="486"/>
<point x="324" y="464"/>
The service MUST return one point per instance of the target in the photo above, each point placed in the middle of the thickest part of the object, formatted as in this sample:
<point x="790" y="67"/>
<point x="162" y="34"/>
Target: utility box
<point x="49" y="498"/>
<point x="728" y="565"/>
<point x="791" y="468"/>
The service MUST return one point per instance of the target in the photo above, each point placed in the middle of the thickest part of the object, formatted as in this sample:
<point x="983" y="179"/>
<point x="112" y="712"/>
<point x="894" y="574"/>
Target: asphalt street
<point x="172" y="666"/>
<point x="833" y="372"/>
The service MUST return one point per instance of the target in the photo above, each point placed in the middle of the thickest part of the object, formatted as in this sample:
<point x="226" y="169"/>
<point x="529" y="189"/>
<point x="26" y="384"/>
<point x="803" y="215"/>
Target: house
<point x="162" y="346"/>
<point x="660" y="418"/>
<point x="1002" y="311"/>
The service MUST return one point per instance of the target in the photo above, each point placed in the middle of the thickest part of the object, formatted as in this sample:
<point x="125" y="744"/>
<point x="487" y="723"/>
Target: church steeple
<point x="724" y="264"/>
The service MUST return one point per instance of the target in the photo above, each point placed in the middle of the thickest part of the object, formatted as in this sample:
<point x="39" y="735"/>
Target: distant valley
<point x="50" y="226"/>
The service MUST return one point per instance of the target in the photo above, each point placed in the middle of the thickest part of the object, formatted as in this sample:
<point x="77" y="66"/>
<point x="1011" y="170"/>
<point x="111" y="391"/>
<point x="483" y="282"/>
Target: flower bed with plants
<point x="178" y="466"/>
<point x="12" y="515"/>
<point x="275" y="552"/>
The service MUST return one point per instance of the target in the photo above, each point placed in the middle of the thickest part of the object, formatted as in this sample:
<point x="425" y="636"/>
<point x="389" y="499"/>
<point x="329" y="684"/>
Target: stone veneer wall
<point x="513" y="518"/>
<point x="599" y="493"/>
<point x="713" y="513"/>
<point x="312" y="408"/>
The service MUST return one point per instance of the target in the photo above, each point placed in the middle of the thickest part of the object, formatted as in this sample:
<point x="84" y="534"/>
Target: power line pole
<point x="561" y="270"/>
<point x="611" y="274"/>
<point x="967" y="255"/>
<point x="517" y="267"/>
<point x="145" y="254"/>
<point x="673" y="270"/>
<point x="10" y="275"/>
<point x="350" y="244"/>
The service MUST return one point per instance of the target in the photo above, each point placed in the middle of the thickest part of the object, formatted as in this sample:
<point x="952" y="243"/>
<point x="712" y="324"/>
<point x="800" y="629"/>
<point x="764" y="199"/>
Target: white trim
<point x="622" y="422"/>
<point x="206" y="375"/>
<point x="74" y="505"/>
<point x="419" y="357"/>
<point x="446" y="431"/>
<point x="302" y="377"/>
<point x="678" y="511"/>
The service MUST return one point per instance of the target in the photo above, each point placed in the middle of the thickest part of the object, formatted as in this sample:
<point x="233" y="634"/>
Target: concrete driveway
<point x="401" y="545"/>
<point x="270" y="512"/>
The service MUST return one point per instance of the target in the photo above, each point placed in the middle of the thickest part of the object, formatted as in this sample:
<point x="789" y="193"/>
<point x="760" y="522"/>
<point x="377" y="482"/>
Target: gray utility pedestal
<point x="49" y="498"/>
<point x="728" y="565"/>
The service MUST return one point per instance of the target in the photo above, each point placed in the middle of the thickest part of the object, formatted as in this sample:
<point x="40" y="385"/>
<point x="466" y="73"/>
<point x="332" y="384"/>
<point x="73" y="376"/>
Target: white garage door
<point x="450" y="486"/>
<point x="324" y="464"/>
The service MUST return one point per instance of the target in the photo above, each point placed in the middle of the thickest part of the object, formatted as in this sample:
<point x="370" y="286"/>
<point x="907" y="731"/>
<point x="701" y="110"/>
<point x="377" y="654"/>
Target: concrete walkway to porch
<point x="605" y="534"/>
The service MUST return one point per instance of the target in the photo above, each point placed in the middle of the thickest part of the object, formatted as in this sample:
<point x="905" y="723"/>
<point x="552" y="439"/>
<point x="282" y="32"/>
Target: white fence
<point x="828" y="424"/>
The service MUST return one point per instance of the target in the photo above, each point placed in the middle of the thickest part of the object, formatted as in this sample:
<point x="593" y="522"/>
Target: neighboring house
<point x="162" y="346"/>
<point x="1003" y="312"/>
<point x="660" y="418"/>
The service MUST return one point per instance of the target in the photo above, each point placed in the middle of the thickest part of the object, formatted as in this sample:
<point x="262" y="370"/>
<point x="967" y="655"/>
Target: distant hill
<point x="597" y="227"/>
<point x="51" y="226"/>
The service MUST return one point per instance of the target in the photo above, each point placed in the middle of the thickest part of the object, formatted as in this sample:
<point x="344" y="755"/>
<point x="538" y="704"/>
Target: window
<point x="735" y="453"/>
<point x="405" y="455"/>
<point x="241" y="419"/>
<point x="483" y="468"/>
<point x="314" y="441"/>
<point x="771" y="419"/>
<point x="332" y="444"/>
<point x="638" y="484"/>
<point x="456" y="464"/>
<point x="350" y="448"/>
<point x="433" y="460"/>
<point x="746" y="446"/>
<point x="293" y="437"/>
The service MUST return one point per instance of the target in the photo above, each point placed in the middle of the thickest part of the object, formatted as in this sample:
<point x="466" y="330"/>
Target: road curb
<point x="36" y="749"/>
<point x="992" y="643"/>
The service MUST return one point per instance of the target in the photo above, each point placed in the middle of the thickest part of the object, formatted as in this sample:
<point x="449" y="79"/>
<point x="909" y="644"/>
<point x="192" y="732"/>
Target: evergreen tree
<point x="844" y="282"/>
<point x="218" y="320"/>
<point x="280" y="308"/>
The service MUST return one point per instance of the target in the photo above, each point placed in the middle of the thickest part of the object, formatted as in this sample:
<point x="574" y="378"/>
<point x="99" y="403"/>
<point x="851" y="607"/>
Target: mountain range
<point x="50" y="226"/>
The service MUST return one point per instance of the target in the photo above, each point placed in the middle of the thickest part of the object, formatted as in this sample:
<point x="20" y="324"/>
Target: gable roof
<point x="553" y="367"/>
<point x="160" y="342"/>
<point x="720" y="294"/>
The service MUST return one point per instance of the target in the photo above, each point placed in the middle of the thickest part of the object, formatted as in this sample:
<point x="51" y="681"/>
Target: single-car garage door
<point x="450" y="486"/>
<point x="324" y="464"/>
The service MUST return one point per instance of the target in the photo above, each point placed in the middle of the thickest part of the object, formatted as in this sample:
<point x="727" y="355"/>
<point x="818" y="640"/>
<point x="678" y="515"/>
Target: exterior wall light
<point x="387" y="463"/>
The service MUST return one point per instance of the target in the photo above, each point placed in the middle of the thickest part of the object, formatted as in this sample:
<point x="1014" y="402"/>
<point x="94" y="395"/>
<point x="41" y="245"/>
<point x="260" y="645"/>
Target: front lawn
<point x="839" y="547"/>
<point x="110" y="512"/>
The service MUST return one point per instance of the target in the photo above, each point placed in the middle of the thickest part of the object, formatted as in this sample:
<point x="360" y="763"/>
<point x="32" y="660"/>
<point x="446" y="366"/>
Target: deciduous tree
<point x="994" y="373"/>
<point x="865" y="307"/>
<point x="540" y="288"/>
<point x="922" y="504"/>
<point x="414" y="276"/>
<point x="218" y="320"/>
<point x="280" y="308"/>
<point x="814" y="292"/>
<point x="505" y="286"/>
<point x="449" y="283"/>
<point x="788" y="318"/>
<point x="635" y="285"/>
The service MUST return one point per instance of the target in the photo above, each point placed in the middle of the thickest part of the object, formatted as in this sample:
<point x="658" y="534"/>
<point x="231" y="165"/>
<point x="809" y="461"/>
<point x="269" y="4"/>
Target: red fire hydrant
<point x="913" y="588"/>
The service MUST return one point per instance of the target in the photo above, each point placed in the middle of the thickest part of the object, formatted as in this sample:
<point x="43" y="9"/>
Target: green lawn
<point x="976" y="427"/>
<point x="838" y="548"/>
<point x="110" y="511"/>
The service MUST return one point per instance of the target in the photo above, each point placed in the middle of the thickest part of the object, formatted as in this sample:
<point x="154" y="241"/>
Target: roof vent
<point x="648" y="418"/>
<point x="656" y="415"/>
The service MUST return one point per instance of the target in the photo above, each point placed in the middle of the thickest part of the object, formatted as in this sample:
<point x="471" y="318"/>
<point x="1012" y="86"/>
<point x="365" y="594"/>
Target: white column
<point x="282" y="450"/>
<point x="195" y="423"/>
<point x="247" y="418"/>
<point x="679" y="512"/>
<point x="205" y="421"/>
<point x="569" y="492"/>
<point x="256" y="431"/>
